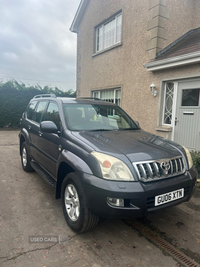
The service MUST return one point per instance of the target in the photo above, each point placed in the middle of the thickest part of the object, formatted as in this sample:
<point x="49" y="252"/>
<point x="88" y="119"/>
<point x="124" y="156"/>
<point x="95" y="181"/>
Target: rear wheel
<point x="25" y="159"/>
<point x="77" y="214"/>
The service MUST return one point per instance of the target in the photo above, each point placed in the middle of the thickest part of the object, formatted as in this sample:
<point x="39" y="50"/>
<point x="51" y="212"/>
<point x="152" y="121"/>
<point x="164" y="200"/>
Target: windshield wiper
<point x="99" y="130"/>
<point x="127" y="129"/>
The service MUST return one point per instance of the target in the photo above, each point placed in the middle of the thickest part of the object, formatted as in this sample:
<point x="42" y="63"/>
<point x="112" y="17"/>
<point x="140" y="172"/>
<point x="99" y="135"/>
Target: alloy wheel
<point x="72" y="203"/>
<point x="24" y="157"/>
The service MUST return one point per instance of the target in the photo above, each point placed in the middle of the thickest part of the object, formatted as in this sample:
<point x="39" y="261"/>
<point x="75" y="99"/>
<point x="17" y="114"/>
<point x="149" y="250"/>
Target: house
<point x="143" y="55"/>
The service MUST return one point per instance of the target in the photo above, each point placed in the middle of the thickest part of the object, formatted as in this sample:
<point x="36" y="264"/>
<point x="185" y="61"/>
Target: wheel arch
<point x="23" y="137"/>
<point x="63" y="170"/>
<point x="69" y="162"/>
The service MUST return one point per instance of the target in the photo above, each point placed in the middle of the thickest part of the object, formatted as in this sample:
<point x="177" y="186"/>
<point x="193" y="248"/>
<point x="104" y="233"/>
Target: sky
<point x="36" y="45"/>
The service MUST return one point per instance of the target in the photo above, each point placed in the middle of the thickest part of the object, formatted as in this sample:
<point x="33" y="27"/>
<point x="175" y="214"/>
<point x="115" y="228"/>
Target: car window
<point x="39" y="111"/>
<point x="30" y="110"/>
<point x="97" y="117"/>
<point x="52" y="114"/>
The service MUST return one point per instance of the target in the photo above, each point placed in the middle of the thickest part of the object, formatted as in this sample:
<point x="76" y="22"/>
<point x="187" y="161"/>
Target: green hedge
<point x="196" y="158"/>
<point x="14" y="97"/>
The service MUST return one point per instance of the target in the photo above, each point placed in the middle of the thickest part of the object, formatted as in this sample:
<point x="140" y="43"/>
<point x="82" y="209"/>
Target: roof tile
<point x="186" y="44"/>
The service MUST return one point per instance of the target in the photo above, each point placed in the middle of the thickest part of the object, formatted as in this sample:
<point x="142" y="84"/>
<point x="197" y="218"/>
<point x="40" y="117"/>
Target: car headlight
<point x="113" y="168"/>
<point x="189" y="158"/>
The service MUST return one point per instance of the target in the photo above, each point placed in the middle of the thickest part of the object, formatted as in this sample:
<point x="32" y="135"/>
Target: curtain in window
<point x="96" y="94"/>
<point x="111" y="95"/>
<point x="108" y="95"/>
<point x="118" y="28"/>
<point x="109" y="33"/>
<point x="99" y="38"/>
<point x="118" y="97"/>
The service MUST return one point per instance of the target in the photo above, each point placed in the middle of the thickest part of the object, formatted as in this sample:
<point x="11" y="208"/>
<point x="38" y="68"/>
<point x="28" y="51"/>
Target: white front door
<point x="187" y="115"/>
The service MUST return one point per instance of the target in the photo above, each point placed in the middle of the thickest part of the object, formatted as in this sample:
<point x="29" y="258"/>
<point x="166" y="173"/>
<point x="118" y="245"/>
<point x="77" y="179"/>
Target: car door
<point x="49" y="143"/>
<point x="35" y="129"/>
<point x="29" y="125"/>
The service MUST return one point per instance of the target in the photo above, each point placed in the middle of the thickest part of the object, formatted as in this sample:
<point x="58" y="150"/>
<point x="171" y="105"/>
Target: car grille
<point x="159" y="169"/>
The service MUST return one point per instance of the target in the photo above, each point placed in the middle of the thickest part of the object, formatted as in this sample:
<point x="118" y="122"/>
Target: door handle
<point x="40" y="133"/>
<point x="29" y="127"/>
<point x="176" y="121"/>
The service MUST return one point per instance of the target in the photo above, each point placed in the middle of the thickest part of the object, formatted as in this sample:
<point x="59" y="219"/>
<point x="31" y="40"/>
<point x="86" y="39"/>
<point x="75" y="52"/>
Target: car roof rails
<point x="93" y="98"/>
<point x="44" y="95"/>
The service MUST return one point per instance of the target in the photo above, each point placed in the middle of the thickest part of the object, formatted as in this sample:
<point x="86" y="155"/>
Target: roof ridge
<point x="177" y="41"/>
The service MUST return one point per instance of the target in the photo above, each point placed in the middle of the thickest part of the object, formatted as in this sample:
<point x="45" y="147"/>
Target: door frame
<point x="173" y="105"/>
<point x="176" y="82"/>
<point x="174" y="108"/>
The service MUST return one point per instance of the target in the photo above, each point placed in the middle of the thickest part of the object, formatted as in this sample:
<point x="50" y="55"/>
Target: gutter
<point x="173" y="62"/>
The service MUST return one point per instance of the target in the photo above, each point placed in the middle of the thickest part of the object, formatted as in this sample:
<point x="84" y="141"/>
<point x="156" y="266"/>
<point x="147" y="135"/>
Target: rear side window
<point x="39" y="111"/>
<point x="30" y="110"/>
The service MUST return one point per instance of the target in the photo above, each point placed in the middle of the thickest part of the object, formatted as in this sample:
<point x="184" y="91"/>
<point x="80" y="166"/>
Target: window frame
<point x="26" y="113"/>
<point x="192" y="106"/>
<point x="173" y="104"/>
<point x="102" y="25"/>
<point x="110" y="89"/>
<point x="45" y="113"/>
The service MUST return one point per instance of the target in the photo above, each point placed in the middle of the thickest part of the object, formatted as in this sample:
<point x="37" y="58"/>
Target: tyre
<point x="76" y="212"/>
<point x="25" y="159"/>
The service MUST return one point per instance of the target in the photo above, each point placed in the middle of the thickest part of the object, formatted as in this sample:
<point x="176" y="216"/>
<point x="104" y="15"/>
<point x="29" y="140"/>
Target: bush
<point x="196" y="158"/>
<point x="14" y="97"/>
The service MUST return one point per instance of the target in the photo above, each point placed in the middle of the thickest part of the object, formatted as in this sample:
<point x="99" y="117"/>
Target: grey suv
<point x="100" y="162"/>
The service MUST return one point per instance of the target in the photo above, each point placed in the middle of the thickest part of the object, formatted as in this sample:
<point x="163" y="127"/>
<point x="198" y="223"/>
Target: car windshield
<point x="89" y="117"/>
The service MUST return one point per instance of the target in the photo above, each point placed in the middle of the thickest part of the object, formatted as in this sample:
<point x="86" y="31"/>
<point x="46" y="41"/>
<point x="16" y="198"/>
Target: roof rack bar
<point x="94" y="98"/>
<point x="44" y="95"/>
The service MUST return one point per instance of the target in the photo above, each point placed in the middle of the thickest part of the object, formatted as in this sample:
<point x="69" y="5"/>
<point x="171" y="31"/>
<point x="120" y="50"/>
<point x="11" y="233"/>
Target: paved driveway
<point x="28" y="208"/>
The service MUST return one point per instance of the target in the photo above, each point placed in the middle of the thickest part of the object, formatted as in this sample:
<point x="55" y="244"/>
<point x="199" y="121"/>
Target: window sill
<point x="107" y="49"/>
<point x="164" y="128"/>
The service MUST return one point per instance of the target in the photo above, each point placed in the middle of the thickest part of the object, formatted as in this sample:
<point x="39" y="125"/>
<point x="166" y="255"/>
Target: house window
<point x="111" y="95"/>
<point x="190" y="97"/>
<point x="96" y="94"/>
<point x="109" y="33"/>
<point x="168" y="103"/>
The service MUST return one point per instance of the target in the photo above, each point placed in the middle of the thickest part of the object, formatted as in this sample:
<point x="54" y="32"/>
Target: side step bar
<point x="43" y="174"/>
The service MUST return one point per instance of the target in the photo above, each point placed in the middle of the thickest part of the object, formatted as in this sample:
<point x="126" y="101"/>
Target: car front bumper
<point x="139" y="198"/>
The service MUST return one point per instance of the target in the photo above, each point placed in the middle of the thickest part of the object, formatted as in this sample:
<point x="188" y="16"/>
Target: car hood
<point x="136" y="145"/>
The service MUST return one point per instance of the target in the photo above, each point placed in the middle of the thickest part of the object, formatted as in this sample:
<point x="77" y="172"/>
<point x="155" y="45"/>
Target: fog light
<point x="118" y="202"/>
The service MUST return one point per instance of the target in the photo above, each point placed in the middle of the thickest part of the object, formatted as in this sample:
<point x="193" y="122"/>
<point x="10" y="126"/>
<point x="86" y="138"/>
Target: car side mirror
<point x="48" y="127"/>
<point x="137" y="123"/>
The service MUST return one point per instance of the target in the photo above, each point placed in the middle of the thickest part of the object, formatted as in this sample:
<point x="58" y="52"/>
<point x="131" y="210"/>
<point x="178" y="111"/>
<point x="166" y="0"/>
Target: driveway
<point x="28" y="209"/>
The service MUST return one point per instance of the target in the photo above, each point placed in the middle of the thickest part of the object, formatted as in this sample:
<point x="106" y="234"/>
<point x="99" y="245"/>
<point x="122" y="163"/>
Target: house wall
<point x="196" y="13"/>
<point x="183" y="17"/>
<point x="123" y="65"/>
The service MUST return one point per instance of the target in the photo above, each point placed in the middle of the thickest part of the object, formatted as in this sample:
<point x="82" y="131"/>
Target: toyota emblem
<point x="165" y="166"/>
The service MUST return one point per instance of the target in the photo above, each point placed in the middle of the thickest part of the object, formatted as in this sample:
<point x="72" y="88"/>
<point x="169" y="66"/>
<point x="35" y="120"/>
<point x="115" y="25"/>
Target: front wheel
<point x="77" y="214"/>
<point x="25" y="159"/>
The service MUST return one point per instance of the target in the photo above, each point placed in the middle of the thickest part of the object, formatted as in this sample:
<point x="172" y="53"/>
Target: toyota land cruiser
<point x="100" y="162"/>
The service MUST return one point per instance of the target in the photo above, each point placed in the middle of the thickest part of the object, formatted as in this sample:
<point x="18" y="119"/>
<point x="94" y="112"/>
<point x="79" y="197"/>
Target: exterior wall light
<point x="153" y="89"/>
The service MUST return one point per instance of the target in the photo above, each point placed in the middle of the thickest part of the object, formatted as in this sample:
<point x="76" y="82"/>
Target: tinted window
<point x="30" y="110"/>
<point x="39" y="111"/>
<point x="190" y="97"/>
<point x="97" y="117"/>
<point x="52" y="114"/>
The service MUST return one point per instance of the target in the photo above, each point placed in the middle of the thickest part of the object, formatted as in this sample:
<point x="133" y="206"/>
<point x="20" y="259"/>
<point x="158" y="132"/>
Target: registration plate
<point x="168" y="197"/>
